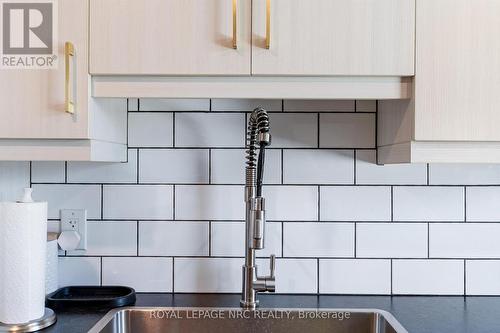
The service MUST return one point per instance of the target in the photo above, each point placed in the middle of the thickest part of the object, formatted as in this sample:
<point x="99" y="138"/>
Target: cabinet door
<point x="334" y="37"/>
<point x="457" y="85"/>
<point x="33" y="100"/>
<point x="169" y="37"/>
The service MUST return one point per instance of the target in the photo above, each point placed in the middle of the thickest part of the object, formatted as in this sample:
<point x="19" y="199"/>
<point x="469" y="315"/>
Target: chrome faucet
<point x="258" y="138"/>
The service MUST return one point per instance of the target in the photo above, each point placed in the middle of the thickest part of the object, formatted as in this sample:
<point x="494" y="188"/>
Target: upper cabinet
<point x="170" y="37"/>
<point x="333" y="37"/>
<point x="454" y="113"/>
<point x="47" y="113"/>
<point x="276" y="37"/>
<point x="326" y="49"/>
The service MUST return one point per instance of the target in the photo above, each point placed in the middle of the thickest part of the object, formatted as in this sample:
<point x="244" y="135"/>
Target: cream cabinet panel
<point x="454" y="114"/>
<point x="35" y="125"/>
<point x="169" y="37"/>
<point x="33" y="101"/>
<point x="333" y="37"/>
<point x="457" y="87"/>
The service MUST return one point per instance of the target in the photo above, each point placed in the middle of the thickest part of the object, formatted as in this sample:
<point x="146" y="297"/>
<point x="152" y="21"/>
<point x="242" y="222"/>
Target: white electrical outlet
<point x="75" y="220"/>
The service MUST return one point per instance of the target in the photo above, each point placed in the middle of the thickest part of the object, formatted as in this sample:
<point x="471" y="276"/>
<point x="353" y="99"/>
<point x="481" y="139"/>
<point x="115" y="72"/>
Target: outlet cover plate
<point x="75" y="220"/>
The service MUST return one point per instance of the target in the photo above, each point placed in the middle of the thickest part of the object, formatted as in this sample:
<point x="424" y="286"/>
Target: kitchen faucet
<point x="258" y="138"/>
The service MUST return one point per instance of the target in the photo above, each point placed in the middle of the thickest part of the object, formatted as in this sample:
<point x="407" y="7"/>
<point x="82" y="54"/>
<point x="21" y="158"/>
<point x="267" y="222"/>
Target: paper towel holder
<point x="48" y="319"/>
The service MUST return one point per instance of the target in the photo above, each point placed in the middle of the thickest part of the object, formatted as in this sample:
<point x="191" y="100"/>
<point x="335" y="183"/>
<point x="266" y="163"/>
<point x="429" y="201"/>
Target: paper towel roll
<point x="51" y="272"/>
<point x="23" y="246"/>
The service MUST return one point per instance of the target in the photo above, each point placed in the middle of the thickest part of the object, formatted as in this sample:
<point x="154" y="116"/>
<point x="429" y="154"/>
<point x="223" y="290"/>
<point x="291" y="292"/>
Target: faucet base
<point x="249" y="305"/>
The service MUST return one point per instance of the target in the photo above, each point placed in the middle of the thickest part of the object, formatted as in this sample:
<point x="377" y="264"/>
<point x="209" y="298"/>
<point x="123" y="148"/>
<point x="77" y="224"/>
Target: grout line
<point x="317" y="276"/>
<point x="392" y="203"/>
<point x="100" y="275"/>
<point x="137" y="244"/>
<point x="465" y="277"/>
<point x="66" y="172"/>
<point x="319" y="203"/>
<point x="209" y="238"/>
<point x="465" y="203"/>
<point x="282" y="166"/>
<point x="210" y="166"/>
<point x="102" y="202"/>
<point x="318" y="129"/>
<point x="355" y="165"/>
<point x="137" y="171"/>
<point x="173" y="129"/>
<point x="428" y="174"/>
<point x="173" y="202"/>
<point x="31" y="173"/>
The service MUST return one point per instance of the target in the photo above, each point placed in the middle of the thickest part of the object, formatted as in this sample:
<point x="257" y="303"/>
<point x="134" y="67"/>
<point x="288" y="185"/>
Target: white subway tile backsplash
<point x="150" y="129"/>
<point x="303" y="105"/>
<point x="464" y="174"/>
<point x="272" y="105"/>
<point x="209" y="130"/>
<point x="208" y="275"/>
<point x="99" y="172"/>
<point x="294" y="130"/>
<point x="482" y="204"/>
<point x="423" y="203"/>
<point x="391" y="240"/>
<point x="209" y="202"/>
<point x="174" y="104"/>
<point x="228" y="239"/>
<point x="293" y="276"/>
<point x="322" y="166"/>
<point x="347" y="130"/>
<point x="178" y="202"/>
<point x="482" y="277"/>
<point x="173" y="238"/>
<point x="132" y="104"/>
<point x="14" y="176"/>
<point x="428" y="277"/>
<point x="61" y="196"/>
<point x="228" y="166"/>
<point x="318" y="239"/>
<point x="173" y="166"/>
<point x="355" y="203"/>
<point x="366" y="106"/>
<point x="464" y="240"/>
<point x="138" y="202"/>
<point x="291" y="203"/>
<point x="369" y="173"/>
<point x="79" y="271"/>
<point x="47" y="172"/>
<point x="146" y="275"/>
<point x="110" y="238"/>
<point x="355" y="276"/>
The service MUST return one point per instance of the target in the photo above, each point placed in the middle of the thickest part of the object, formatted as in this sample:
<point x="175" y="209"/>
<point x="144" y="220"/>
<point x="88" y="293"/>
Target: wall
<point x="170" y="219"/>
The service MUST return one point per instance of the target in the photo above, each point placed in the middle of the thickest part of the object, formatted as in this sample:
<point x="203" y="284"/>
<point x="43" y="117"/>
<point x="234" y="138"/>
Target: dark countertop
<point x="418" y="314"/>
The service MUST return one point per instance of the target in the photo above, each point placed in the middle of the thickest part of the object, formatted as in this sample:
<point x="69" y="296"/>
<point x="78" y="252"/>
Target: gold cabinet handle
<point x="69" y="53"/>
<point x="235" y="24"/>
<point x="268" y="24"/>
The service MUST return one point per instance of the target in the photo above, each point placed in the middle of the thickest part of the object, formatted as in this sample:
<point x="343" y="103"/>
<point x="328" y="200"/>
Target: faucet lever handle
<point x="272" y="265"/>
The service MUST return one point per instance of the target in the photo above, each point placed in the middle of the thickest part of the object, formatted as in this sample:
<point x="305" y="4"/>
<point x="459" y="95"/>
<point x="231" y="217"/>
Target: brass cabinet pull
<point x="268" y="24"/>
<point x="69" y="52"/>
<point x="235" y="24"/>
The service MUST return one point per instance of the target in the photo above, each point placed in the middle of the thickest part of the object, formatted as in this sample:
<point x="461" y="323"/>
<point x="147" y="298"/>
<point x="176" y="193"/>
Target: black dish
<point x="91" y="297"/>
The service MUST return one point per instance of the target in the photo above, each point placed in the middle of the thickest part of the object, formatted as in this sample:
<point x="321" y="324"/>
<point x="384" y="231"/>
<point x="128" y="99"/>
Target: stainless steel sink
<point x="145" y="320"/>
